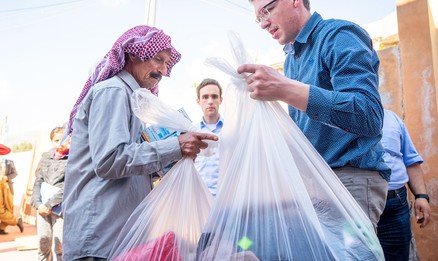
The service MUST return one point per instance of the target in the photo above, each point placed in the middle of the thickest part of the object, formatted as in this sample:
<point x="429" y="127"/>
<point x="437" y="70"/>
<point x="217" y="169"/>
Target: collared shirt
<point x="344" y="115"/>
<point x="108" y="171"/>
<point x="400" y="151"/>
<point x="208" y="167"/>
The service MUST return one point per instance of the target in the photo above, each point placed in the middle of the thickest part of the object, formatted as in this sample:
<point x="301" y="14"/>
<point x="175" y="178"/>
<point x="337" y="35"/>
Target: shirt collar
<point x="219" y="123"/>
<point x="128" y="79"/>
<point x="304" y="34"/>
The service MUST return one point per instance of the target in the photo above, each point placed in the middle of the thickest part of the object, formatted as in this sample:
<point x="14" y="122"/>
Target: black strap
<point x="422" y="196"/>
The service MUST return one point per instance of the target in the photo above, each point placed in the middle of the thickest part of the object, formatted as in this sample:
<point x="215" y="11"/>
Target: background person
<point x="109" y="171"/>
<point x="7" y="174"/>
<point x="330" y="83"/>
<point x="394" y="227"/>
<point x="209" y="93"/>
<point x="47" y="195"/>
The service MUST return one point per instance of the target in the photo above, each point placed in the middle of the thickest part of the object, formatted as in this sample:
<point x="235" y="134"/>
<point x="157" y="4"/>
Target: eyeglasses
<point x="264" y="13"/>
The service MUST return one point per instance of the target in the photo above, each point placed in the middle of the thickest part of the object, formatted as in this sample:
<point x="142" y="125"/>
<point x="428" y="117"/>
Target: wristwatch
<point x="422" y="196"/>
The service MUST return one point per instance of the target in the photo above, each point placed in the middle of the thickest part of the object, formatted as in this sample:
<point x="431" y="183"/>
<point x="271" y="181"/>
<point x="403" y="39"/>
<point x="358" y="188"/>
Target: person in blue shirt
<point x="209" y="97"/>
<point x="330" y="84"/>
<point x="394" y="227"/>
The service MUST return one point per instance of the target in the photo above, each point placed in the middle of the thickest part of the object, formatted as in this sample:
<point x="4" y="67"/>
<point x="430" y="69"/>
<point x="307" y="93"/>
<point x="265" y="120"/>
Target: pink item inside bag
<point x="161" y="249"/>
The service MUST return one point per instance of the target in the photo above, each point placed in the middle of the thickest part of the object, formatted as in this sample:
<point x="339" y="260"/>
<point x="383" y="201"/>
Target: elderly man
<point x="109" y="170"/>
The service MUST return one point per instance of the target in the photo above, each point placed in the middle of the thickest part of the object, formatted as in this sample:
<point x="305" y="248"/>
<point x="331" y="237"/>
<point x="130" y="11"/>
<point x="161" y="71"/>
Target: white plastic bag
<point x="168" y="223"/>
<point x="277" y="198"/>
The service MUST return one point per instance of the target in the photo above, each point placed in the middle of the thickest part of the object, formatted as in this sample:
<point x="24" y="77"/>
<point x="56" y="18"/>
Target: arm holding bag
<point x="277" y="199"/>
<point x="167" y="224"/>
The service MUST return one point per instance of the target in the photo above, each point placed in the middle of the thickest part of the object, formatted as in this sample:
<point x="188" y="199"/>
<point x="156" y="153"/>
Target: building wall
<point x="393" y="96"/>
<point x="390" y="80"/>
<point x="408" y="85"/>
<point x="433" y="25"/>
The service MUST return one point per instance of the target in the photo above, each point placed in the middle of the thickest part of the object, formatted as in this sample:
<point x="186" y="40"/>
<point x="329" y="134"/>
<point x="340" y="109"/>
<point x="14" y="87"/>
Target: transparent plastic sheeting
<point x="277" y="198"/>
<point x="168" y="223"/>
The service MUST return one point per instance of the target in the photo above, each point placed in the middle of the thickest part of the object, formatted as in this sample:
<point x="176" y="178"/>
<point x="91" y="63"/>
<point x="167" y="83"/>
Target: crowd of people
<point x="101" y="171"/>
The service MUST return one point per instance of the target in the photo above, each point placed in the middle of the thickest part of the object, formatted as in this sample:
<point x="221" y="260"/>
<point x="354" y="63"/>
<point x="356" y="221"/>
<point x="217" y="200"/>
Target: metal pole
<point x="150" y="12"/>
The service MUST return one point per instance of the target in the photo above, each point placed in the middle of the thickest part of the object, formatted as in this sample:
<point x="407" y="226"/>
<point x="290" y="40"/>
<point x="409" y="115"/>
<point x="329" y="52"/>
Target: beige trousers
<point x="6" y="206"/>
<point x="368" y="188"/>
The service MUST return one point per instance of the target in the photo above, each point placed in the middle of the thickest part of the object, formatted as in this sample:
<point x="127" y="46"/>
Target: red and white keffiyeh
<point x="142" y="41"/>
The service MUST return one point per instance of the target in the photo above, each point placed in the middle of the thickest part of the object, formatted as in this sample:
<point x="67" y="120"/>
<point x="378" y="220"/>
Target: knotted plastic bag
<point x="168" y="222"/>
<point x="277" y="197"/>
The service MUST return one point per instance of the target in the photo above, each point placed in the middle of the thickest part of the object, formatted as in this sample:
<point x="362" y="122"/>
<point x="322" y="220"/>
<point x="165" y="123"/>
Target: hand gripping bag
<point x="167" y="224"/>
<point x="277" y="197"/>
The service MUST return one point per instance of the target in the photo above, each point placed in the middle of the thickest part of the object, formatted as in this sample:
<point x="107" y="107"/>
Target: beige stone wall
<point x="393" y="96"/>
<point x="408" y="79"/>
<point x="390" y="80"/>
<point x="433" y="25"/>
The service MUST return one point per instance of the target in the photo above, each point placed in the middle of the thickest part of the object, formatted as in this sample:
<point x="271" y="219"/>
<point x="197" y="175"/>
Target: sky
<point x="48" y="48"/>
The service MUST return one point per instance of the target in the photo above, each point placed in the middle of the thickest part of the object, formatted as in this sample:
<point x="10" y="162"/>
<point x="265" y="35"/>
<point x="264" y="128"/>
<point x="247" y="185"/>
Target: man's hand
<point x="43" y="210"/>
<point x="263" y="82"/>
<point x="422" y="211"/>
<point x="191" y="143"/>
<point x="267" y="84"/>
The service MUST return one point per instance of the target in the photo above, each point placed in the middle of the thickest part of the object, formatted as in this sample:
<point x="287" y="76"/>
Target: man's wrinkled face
<point x="149" y="73"/>
<point x="209" y="100"/>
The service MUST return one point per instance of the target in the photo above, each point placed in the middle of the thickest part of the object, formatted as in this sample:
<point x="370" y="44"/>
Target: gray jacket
<point x="51" y="171"/>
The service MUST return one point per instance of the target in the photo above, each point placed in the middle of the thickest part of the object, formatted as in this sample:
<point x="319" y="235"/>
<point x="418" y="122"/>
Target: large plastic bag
<point x="277" y="197"/>
<point x="168" y="223"/>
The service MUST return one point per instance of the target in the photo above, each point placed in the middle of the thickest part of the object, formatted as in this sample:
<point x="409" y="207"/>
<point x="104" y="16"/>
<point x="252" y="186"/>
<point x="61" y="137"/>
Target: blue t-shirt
<point x="208" y="166"/>
<point x="344" y="115"/>
<point x="400" y="151"/>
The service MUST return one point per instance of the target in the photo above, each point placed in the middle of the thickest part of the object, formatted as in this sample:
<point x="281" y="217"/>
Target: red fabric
<point x="63" y="149"/>
<point x="4" y="150"/>
<point x="61" y="153"/>
<point x="160" y="249"/>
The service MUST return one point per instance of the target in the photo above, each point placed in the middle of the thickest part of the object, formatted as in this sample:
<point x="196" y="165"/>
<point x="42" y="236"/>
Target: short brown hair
<point x="306" y="3"/>
<point x="56" y="130"/>
<point x="205" y="82"/>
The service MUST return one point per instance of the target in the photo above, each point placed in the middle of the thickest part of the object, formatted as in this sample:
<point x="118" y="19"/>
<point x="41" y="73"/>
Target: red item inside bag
<point x="161" y="249"/>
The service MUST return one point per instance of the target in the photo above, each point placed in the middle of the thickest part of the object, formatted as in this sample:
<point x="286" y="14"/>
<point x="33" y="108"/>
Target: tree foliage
<point x="22" y="147"/>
